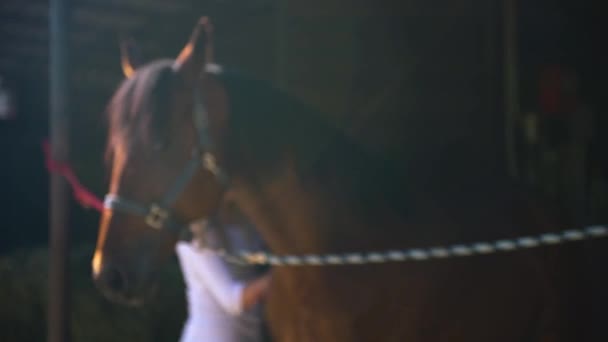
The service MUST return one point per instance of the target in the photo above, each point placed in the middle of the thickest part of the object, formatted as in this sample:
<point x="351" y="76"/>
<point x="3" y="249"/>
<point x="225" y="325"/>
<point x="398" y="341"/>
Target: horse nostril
<point x="113" y="280"/>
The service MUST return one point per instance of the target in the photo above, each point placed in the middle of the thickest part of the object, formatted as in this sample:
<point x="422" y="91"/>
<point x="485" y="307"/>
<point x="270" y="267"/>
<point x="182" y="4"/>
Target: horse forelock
<point x="137" y="112"/>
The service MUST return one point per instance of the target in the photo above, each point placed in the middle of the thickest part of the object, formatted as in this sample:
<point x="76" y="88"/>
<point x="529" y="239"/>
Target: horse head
<point x="164" y="118"/>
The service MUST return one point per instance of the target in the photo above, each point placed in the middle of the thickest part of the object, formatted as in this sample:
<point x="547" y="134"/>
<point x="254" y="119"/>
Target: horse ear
<point x="198" y="52"/>
<point x="130" y="57"/>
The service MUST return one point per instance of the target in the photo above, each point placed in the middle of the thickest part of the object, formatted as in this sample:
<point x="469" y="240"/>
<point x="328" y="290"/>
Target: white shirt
<point x="215" y="310"/>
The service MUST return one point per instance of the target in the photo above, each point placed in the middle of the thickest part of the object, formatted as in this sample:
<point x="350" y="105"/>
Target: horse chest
<point x="415" y="305"/>
<point x="302" y="308"/>
<point x="323" y="305"/>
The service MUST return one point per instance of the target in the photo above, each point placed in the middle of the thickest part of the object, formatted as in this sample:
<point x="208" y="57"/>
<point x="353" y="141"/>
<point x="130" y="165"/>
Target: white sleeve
<point x="206" y="269"/>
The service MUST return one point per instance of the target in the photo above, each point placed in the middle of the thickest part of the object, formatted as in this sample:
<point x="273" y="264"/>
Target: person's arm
<point x="209" y="271"/>
<point x="255" y="291"/>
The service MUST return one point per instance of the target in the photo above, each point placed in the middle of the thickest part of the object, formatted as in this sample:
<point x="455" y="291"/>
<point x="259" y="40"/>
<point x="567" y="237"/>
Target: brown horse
<point x="310" y="189"/>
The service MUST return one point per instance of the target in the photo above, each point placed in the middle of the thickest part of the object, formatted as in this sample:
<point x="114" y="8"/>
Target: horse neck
<point x="273" y="161"/>
<point x="295" y="218"/>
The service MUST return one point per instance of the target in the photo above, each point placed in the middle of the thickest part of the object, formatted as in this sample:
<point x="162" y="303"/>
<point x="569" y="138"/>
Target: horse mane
<point x="267" y="125"/>
<point x="135" y="112"/>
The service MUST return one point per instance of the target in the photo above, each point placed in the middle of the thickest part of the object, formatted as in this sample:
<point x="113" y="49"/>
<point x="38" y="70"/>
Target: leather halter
<point x="158" y="215"/>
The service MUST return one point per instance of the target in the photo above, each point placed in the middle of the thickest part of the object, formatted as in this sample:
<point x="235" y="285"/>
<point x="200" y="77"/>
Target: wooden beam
<point x="511" y="89"/>
<point x="37" y="9"/>
<point x="107" y="18"/>
<point x="281" y="43"/>
<point x="58" y="314"/>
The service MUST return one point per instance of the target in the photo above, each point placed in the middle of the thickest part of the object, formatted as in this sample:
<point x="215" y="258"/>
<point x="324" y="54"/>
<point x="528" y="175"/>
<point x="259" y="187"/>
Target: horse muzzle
<point x="124" y="286"/>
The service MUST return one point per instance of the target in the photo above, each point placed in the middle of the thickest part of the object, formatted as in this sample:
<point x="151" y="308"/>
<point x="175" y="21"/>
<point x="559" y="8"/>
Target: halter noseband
<point x="158" y="215"/>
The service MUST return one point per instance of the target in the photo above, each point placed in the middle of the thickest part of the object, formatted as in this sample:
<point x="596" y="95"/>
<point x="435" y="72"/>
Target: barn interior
<point x="520" y="84"/>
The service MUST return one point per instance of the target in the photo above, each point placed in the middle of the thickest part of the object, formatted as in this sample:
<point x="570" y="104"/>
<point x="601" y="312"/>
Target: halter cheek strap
<point x="158" y="215"/>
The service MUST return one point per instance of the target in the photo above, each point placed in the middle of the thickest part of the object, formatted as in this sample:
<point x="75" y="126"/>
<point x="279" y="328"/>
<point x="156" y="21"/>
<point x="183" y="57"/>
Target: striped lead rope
<point x="416" y="254"/>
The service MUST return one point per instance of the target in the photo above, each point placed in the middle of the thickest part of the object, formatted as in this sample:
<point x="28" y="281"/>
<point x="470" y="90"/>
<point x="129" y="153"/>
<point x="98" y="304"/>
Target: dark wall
<point x="429" y="76"/>
<point x="23" y="181"/>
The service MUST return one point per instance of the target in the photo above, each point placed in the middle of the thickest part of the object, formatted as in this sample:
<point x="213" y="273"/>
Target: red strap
<point x="81" y="194"/>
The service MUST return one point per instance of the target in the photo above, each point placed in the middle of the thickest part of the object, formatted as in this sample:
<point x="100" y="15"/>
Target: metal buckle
<point x="156" y="216"/>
